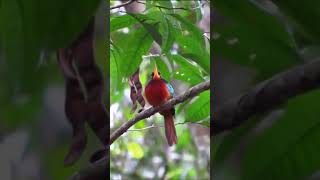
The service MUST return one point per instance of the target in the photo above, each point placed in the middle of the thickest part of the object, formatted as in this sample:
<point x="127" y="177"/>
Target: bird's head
<point x="155" y="74"/>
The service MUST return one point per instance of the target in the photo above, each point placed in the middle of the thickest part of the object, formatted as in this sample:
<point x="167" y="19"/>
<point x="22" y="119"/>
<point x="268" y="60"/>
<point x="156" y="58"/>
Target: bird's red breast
<point x="157" y="92"/>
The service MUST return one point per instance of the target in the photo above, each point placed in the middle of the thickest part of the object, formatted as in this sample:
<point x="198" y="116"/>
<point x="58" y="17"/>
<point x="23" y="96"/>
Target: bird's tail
<point x="170" y="130"/>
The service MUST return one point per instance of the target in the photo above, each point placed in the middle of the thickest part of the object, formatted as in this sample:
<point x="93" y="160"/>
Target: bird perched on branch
<point x="157" y="92"/>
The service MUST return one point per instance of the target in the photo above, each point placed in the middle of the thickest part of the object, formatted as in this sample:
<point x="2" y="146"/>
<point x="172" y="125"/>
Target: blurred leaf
<point x="186" y="71"/>
<point x="20" y="114"/>
<point x="54" y="168"/>
<point x="175" y="173"/>
<point x="301" y="15"/>
<point x="181" y="106"/>
<point x="140" y="124"/>
<point x="135" y="150"/>
<point x="293" y="140"/>
<point x="28" y="28"/>
<point x="254" y="38"/>
<point x="230" y="142"/>
<point x="192" y="173"/>
<point x="184" y="139"/>
<point x="198" y="109"/>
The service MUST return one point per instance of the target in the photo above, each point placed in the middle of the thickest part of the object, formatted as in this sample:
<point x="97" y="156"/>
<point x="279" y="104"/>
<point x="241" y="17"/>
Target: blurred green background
<point x="253" y="40"/>
<point x="145" y="34"/>
<point x="34" y="132"/>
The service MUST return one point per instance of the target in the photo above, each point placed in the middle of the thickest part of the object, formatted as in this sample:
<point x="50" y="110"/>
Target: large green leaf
<point x="150" y="24"/>
<point x="168" y="36"/>
<point x="119" y="22"/>
<point x="137" y="45"/>
<point x="162" y="67"/>
<point x="290" y="148"/>
<point x="191" y="43"/>
<point x="252" y="37"/>
<point x="199" y="109"/>
<point x="186" y="71"/>
<point x="115" y="74"/>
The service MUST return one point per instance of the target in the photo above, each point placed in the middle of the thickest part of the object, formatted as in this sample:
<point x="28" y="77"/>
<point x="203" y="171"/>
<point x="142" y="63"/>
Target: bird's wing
<point x="169" y="87"/>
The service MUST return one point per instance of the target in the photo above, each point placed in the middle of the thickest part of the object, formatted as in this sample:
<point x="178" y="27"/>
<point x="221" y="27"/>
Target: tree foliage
<point x="269" y="38"/>
<point x="165" y="35"/>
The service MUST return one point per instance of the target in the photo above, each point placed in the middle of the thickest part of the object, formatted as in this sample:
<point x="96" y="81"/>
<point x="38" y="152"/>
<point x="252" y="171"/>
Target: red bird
<point x="157" y="92"/>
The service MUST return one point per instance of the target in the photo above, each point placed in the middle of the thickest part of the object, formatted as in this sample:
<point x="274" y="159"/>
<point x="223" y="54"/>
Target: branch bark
<point x="266" y="96"/>
<point x="149" y="112"/>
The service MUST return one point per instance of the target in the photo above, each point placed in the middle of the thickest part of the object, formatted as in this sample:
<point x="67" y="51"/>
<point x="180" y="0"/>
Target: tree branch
<point x="149" y="112"/>
<point x="98" y="170"/>
<point x="158" y="126"/>
<point x="121" y="5"/>
<point x="266" y="96"/>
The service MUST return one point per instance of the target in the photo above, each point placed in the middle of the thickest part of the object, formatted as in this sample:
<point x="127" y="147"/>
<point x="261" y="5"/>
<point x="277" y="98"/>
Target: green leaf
<point x="199" y="109"/>
<point x="184" y="140"/>
<point x="151" y="25"/>
<point x="115" y="74"/>
<point x="254" y="38"/>
<point x="137" y="45"/>
<point x="168" y="36"/>
<point x="290" y="148"/>
<point x="191" y="43"/>
<point x="166" y="4"/>
<point x="186" y="71"/>
<point x="119" y="22"/>
<point x="194" y="30"/>
<point x="162" y="67"/>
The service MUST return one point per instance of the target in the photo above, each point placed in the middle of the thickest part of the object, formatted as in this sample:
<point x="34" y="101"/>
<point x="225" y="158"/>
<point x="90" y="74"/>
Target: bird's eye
<point x="159" y="73"/>
<point x="152" y="74"/>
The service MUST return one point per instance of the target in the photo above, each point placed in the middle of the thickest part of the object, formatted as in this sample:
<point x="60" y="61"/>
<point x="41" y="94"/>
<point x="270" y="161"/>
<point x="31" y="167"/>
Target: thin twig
<point x="121" y="5"/>
<point x="153" y="126"/>
<point x="163" y="7"/>
<point x="192" y="92"/>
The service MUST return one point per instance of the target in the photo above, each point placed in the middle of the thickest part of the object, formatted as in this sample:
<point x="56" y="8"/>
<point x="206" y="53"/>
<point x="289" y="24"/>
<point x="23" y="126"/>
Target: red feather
<point x="157" y="93"/>
<point x="169" y="128"/>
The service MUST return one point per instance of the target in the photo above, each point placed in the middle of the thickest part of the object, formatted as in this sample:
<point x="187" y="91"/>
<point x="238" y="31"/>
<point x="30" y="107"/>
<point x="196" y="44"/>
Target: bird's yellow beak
<point x="156" y="73"/>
